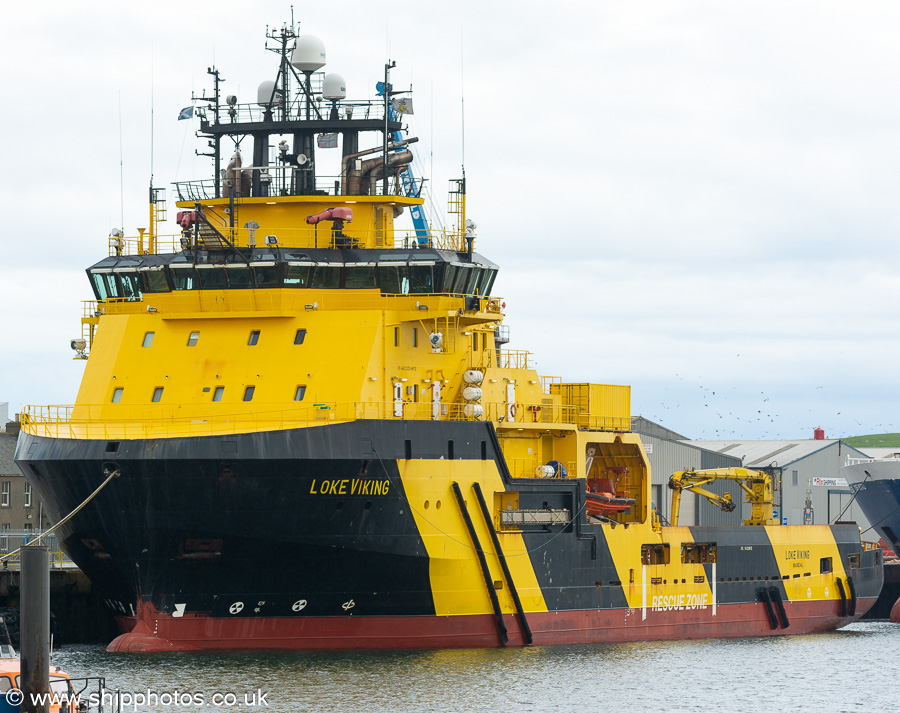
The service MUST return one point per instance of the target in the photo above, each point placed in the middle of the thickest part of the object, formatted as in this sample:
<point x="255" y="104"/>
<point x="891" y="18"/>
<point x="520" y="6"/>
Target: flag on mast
<point x="186" y="113"/>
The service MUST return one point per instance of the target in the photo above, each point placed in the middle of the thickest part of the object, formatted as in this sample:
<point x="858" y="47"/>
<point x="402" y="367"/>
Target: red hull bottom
<point x="155" y="632"/>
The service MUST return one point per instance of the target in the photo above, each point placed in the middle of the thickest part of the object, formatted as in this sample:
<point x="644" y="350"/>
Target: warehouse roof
<point x="758" y="454"/>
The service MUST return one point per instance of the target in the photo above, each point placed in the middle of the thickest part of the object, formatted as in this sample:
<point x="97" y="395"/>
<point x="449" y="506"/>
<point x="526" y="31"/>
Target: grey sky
<point x="694" y="198"/>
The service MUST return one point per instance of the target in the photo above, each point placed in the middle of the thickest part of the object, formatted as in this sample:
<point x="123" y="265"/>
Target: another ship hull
<point x="349" y="536"/>
<point x="878" y="493"/>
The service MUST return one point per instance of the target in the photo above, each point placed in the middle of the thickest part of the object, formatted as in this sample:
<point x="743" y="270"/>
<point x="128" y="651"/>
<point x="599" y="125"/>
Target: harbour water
<point x="846" y="670"/>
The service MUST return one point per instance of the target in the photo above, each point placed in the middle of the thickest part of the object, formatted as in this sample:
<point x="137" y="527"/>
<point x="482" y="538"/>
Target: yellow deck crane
<point x="757" y="485"/>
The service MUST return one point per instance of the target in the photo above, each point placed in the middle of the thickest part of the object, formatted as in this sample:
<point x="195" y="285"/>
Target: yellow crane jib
<point x="756" y="484"/>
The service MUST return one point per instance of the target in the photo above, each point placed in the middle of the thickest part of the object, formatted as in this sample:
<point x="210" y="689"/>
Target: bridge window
<point x="117" y="395"/>
<point x="131" y="286"/>
<point x="394" y="280"/>
<point x="359" y="278"/>
<point x="192" y="339"/>
<point x="218" y="393"/>
<point x="254" y="338"/>
<point x="157" y="394"/>
<point x="154" y="280"/>
<point x="248" y="393"/>
<point x="326" y="277"/>
<point x="655" y="554"/>
<point x="421" y="279"/>
<point x="183" y="278"/>
<point x="462" y="277"/>
<point x="211" y="278"/>
<point x="300" y="336"/>
<point x="487" y="281"/>
<point x="105" y="285"/>
<point x="296" y="275"/>
<point x="238" y="277"/>
<point x="266" y="276"/>
<point x="300" y="393"/>
<point x="148" y="339"/>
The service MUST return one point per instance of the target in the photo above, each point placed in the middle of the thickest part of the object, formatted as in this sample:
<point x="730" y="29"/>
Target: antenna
<point x="151" y="113"/>
<point x="462" y="96"/>
<point x="121" y="169"/>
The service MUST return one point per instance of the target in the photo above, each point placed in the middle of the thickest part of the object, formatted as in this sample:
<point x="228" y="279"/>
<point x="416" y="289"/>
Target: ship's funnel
<point x="309" y="53"/>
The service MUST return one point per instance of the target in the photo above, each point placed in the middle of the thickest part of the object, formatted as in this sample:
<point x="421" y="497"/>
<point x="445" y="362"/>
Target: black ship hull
<point x="309" y="538"/>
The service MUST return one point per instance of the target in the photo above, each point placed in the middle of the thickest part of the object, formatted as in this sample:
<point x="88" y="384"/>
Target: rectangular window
<point x="698" y="553"/>
<point x="28" y="495"/>
<point x="475" y="341"/>
<point x="795" y="477"/>
<point x="238" y="277"/>
<point x="154" y="280"/>
<point x="248" y="393"/>
<point x="184" y="278"/>
<point x="4" y="494"/>
<point x="326" y="277"/>
<point x="415" y="337"/>
<point x="192" y="339"/>
<point x="296" y="275"/>
<point x="359" y="278"/>
<point x="28" y="527"/>
<point x="300" y="336"/>
<point x="148" y="339"/>
<point x="157" y="394"/>
<point x="300" y="393"/>
<point x="117" y="395"/>
<point x="655" y="554"/>
<point x="254" y="338"/>
<point x="211" y="278"/>
<point x="396" y="336"/>
<point x="217" y="394"/>
<point x="266" y="276"/>
<point x="824" y="565"/>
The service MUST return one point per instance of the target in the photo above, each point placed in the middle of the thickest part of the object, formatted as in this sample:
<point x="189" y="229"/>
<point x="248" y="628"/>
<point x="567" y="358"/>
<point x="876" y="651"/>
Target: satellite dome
<point x="264" y="95"/>
<point x="309" y="53"/>
<point x="334" y="88"/>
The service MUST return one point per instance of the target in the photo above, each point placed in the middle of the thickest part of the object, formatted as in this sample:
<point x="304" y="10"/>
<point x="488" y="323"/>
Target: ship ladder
<point x="495" y="603"/>
<point x="489" y="523"/>
<point x="763" y="594"/>
<point x="840" y="586"/>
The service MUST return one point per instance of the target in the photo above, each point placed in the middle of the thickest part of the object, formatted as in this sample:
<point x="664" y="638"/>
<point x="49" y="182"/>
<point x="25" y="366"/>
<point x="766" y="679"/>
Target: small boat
<point x="66" y="695"/>
<point x="605" y="498"/>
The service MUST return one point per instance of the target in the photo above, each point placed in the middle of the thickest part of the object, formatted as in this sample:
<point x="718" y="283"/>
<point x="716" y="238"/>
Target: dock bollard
<point x="35" y="628"/>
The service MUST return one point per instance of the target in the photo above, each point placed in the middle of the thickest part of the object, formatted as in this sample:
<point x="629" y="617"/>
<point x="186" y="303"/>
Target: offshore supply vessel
<point x="298" y="427"/>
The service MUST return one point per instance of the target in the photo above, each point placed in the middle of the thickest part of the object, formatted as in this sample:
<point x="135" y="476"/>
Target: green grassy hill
<point x="876" y="440"/>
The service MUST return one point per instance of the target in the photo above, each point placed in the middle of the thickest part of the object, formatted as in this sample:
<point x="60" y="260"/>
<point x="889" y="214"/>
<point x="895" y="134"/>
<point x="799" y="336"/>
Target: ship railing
<point x="508" y="358"/>
<point x="281" y="180"/>
<point x="116" y="421"/>
<point x="143" y="245"/>
<point x="857" y="461"/>
<point x="12" y="540"/>
<point x="533" y="468"/>
<point x="307" y="236"/>
<point x="300" y="300"/>
<point x="246" y="113"/>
